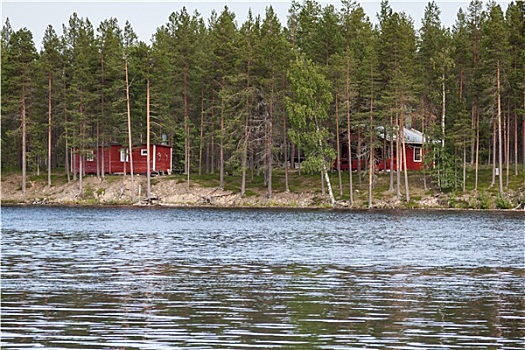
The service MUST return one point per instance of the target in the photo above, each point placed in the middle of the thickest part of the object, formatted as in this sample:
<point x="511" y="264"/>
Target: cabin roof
<point x="412" y="136"/>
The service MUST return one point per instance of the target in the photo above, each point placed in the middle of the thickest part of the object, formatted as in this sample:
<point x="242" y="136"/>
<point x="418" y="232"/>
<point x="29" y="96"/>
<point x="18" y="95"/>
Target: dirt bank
<point x="173" y="191"/>
<point x="116" y="190"/>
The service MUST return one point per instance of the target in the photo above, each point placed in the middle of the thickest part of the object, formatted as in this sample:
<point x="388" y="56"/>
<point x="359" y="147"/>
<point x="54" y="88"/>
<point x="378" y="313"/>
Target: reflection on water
<point x="124" y="278"/>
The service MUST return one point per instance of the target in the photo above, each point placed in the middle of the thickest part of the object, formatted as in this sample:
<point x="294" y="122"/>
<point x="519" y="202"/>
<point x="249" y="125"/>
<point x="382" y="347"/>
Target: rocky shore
<point x="173" y="191"/>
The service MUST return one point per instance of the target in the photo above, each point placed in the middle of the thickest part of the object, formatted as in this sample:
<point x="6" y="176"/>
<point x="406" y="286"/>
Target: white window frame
<point x="124" y="153"/>
<point x="144" y="152"/>
<point x="418" y="150"/>
<point x="90" y="156"/>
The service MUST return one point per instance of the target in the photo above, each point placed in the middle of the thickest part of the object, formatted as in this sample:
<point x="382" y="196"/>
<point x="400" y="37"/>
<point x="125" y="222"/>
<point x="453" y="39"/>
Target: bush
<point x="484" y="201"/>
<point x="502" y="202"/>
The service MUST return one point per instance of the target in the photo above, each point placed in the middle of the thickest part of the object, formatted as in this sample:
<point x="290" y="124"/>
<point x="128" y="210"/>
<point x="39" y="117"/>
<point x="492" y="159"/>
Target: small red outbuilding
<point x="115" y="160"/>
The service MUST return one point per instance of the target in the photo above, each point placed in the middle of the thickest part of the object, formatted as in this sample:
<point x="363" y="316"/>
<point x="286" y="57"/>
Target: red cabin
<point x="115" y="160"/>
<point x="413" y="147"/>
<point x="414" y="151"/>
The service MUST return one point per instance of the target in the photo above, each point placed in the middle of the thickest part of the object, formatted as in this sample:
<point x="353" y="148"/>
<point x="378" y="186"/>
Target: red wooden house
<point x="115" y="160"/>
<point x="414" y="151"/>
<point x="414" y="140"/>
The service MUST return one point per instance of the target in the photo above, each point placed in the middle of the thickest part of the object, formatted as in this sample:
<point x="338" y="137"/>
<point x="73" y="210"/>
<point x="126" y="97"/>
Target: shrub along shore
<point x="304" y="192"/>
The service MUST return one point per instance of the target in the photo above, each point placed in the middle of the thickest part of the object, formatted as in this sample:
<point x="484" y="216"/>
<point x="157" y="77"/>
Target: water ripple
<point x="208" y="279"/>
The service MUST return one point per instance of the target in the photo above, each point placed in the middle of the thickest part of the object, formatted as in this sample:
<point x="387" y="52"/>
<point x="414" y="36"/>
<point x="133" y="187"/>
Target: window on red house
<point x="124" y="156"/>
<point x="90" y="156"/>
<point x="417" y="154"/>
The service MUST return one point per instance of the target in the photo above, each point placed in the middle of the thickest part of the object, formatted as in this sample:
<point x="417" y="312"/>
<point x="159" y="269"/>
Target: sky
<point x="146" y="17"/>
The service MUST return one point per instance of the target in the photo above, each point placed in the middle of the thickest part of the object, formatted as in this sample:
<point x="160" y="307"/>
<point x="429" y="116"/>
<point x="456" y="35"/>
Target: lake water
<point x="166" y="278"/>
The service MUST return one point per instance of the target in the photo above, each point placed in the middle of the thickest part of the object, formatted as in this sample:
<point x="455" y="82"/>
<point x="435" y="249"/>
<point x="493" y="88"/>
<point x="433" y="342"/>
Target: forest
<point x="260" y="96"/>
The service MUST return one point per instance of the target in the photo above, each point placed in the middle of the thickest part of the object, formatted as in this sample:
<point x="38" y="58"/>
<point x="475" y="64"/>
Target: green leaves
<point x="308" y="109"/>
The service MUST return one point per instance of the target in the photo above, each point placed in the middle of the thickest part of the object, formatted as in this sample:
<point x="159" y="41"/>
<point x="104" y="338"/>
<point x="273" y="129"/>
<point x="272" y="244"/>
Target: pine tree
<point x="51" y="61"/>
<point x="515" y="21"/>
<point x="80" y="51"/>
<point x="248" y="91"/>
<point x="495" y="56"/>
<point x="18" y="67"/>
<point x="273" y="56"/>
<point x="398" y="47"/>
<point x="111" y="85"/>
<point x="225" y="52"/>
<point x="183" y="30"/>
<point x="475" y="18"/>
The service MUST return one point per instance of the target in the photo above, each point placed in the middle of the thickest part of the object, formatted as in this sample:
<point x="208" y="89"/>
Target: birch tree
<point x="308" y="109"/>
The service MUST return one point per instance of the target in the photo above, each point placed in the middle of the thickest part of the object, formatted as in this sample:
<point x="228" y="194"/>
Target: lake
<point x="170" y="278"/>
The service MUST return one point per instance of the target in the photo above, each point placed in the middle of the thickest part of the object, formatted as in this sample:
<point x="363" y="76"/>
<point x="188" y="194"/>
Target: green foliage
<point x="443" y="172"/>
<point x="307" y="110"/>
<point x="89" y="192"/>
<point x="503" y="202"/>
<point x="484" y="200"/>
<point x="222" y="98"/>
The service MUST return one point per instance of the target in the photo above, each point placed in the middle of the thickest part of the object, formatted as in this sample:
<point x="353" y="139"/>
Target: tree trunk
<point x="67" y="162"/>
<point x="246" y="135"/>
<point x="103" y="155"/>
<point x="49" y="129"/>
<point x="506" y="129"/>
<point x="399" y="155"/>
<point x="286" y="156"/>
<point x="186" y="130"/>
<point x="24" y="141"/>
<point x="464" y="165"/>
<point x="95" y="153"/>
<point x="269" y="162"/>
<point x="516" y="143"/>
<point x="322" y="182"/>
<point x="349" y="136"/>
<point x="371" y="142"/>
<point x="443" y="110"/>
<point x="349" y="145"/>
<point x="221" y="147"/>
<point x="129" y="134"/>
<point x="299" y="159"/>
<point x="337" y="141"/>
<point x="494" y="151"/>
<point x="244" y="158"/>
<point x="102" y="109"/>
<point x="359" y="155"/>
<point x="500" y="143"/>
<point x="423" y="151"/>
<point x="81" y="175"/>
<point x="212" y="135"/>
<point x="201" y="136"/>
<point x="392" y="130"/>
<point x="403" y="145"/>
<point x="292" y="156"/>
<point x="74" y="163"/>
<point x="324" y="169"/>
<point x="476" y="115"/>
<point x="148" y="140"/>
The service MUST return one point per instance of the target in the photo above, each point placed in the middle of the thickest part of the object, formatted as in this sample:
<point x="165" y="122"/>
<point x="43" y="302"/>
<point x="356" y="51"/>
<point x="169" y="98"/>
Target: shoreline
<point x="311" y="208"/>
<point x="172" y="192"/>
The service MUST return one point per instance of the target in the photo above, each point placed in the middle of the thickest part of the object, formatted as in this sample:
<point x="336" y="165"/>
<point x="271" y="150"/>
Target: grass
<point x="485" y="197"/>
